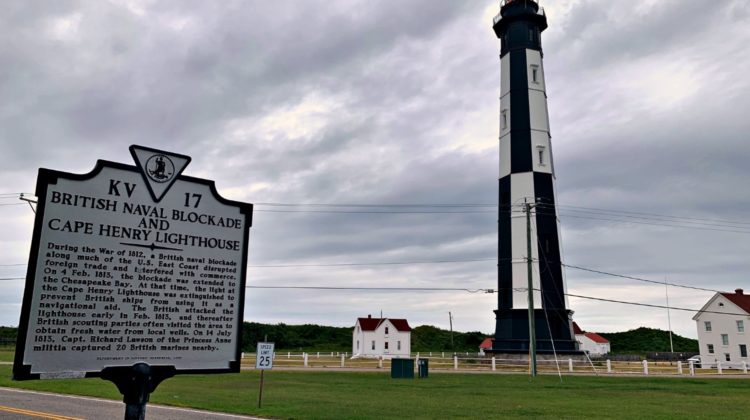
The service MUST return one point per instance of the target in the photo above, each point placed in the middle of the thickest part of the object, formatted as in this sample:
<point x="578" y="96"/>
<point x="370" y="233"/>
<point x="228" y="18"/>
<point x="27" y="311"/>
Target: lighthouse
<point x="527" y="222"/>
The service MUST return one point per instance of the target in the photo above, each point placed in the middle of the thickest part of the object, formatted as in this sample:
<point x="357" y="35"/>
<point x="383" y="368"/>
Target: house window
<point x="398" y="345"/>
<point x="710" y="348"/>
<point x="726" y="357"/>
<point x="504" y="119"/>
<point x="725" y="339"/>
<point x="386" y="345"/>
<point x="743" y="350"/>
<point x="741" y="326"/>
<point x="534" y="73"/>
<point x="373" y="344"/>
<point x="708" y="325"/>
<point x="386" y="330"/>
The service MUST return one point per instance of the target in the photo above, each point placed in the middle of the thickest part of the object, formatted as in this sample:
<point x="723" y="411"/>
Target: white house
<point x="592" y="343"/>
<point x="376" y="337"/>
<point x="721" y="329"/>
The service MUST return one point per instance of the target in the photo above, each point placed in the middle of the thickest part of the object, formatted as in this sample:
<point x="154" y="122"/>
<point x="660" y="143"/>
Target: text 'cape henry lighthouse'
<point x="527" y="185"/>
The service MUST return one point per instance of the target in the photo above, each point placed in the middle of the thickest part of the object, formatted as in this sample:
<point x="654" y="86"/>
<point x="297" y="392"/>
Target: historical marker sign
<point x="133" y="264"/>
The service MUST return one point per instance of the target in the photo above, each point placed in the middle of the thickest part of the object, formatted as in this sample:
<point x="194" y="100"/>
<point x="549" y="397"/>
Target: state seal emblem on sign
<point x="160" y="168"/>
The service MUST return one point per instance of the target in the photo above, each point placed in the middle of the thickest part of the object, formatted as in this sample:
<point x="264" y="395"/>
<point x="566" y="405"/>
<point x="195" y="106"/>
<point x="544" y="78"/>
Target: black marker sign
<point x="133" y="264"/>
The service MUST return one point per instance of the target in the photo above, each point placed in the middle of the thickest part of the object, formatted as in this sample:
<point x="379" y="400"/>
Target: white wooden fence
<point x="443" y="361"/>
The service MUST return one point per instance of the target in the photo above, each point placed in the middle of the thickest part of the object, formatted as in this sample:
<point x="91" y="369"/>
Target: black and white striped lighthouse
<point x="526" y="181"/>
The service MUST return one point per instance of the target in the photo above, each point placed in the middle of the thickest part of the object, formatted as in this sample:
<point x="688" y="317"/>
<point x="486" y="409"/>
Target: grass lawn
<point x="346" y="395"/>
<point x="6" y="355"/>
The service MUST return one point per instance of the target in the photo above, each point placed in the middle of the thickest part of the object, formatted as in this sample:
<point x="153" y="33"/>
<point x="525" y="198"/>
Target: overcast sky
<point x="396" y="102"/>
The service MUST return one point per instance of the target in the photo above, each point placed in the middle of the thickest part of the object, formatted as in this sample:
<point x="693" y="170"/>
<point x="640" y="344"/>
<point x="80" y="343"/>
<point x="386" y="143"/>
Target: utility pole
<point x="450" y="320"/>
<point x="532" y="326"/>
<point x="669" y="317"/>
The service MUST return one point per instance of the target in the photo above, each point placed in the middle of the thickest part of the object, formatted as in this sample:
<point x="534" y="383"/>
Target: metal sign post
<point x="136" y="273"/>
<point x="263" y="361"/>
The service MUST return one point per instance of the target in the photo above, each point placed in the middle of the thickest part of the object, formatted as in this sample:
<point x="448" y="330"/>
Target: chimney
<point x="739" y="291"/>
<point x="369" y="316"/>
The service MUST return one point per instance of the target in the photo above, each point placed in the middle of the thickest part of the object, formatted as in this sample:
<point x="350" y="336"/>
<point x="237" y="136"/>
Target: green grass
<point x="344" y="395"/>
<point x="6" y="355"/>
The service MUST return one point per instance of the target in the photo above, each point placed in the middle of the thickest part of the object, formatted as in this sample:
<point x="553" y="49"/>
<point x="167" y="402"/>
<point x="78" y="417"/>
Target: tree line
<point x="312" y="337"/>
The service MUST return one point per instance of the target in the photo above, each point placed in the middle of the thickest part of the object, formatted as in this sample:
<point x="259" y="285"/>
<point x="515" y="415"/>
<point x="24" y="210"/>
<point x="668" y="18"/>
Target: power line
<point x="372" y="205"/>
<point x="486" y="291"/>
<point x="661" y="283"/>
<point x="14" y="194"/>
<point x="449" y="261"/>
<point x="353" y="264"/>
<point x="456" y="289"/>
<point x="562" y="207"/>
<point x="654" y="214"/>
<point x="653" y="306"/>
<point x="655" y="224"/>
<point x="374" y="263"/>
<point x="658" y="222"/>
<point x="377" y="212"/>
<point x="620" y="213"/>
<point x="405" y="289"/>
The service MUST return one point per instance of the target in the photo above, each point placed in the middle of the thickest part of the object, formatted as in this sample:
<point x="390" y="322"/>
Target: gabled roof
<point x="576" y="329"/>
<point x="486" y="344"/>
<point x="400" y="324"/>
<point x="596" y="338"/>
<point x="371" y="324"/>
<point x="738" y="298"/>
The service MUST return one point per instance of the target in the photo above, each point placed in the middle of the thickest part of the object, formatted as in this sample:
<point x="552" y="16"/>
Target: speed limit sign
<point x="264" y="359"/>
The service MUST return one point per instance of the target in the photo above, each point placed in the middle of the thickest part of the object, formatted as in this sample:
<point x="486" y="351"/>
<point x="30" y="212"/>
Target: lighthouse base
<point x="512" y="332"/>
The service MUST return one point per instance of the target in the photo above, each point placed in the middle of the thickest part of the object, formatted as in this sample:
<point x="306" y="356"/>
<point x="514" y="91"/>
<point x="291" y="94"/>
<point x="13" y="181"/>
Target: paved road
<point x="21" y="404"/>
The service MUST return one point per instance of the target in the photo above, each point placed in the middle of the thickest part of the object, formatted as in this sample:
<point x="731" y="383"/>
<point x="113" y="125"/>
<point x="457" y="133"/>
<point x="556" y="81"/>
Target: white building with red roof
<point x="592" y="343"/>
<point x="381" y="337"/>
<point x="486" y="344"/>
<point x="721" y="329"/>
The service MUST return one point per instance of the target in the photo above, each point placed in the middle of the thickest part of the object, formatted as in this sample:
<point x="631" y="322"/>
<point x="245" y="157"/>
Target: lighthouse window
<point x="504" y="119"/>
<point x="540" y="155"/>
<point x="535" y="73"/>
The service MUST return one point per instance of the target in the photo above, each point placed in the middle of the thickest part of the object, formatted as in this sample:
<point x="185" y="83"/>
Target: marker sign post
<point x="136" y="273"/>
<point x="263" y="361"/>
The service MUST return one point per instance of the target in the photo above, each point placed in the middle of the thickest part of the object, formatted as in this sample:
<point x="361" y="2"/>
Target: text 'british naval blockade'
<point x="120" y="277"/>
